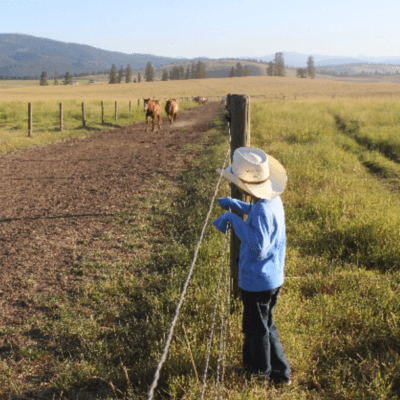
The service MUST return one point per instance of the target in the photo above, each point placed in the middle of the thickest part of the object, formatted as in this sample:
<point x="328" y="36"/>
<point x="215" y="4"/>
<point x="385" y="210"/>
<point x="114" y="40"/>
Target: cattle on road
<point x="152" y="108"/>
<point x="172" y="108"/>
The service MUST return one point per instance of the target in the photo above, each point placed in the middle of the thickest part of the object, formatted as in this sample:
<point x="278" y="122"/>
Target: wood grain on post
<point x="239" y="110"/>
<point x="29" y="119"/>
<point x="102" y="112"/>
<point x="61" y="117"/>
<point x="83" y="115"/>
<point x="115" y="111"/>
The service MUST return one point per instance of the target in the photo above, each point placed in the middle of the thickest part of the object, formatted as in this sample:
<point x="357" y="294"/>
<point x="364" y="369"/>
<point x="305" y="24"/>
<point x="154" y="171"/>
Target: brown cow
<point x="172" y="108"/>
<point x="200" y="100"/>
<point x="152" y="108"/>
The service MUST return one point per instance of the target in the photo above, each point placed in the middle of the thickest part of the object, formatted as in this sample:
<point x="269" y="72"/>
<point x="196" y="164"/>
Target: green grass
<point x="337" y="315"/>
<point x="46" y="122"/>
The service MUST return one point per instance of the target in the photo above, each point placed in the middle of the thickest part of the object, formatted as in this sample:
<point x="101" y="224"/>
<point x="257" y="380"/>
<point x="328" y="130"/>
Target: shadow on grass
<point x="132" y="334"/>
<point x="372" y="245"/>
<point x="356" y="360"/>
<point x="352" y="128"/>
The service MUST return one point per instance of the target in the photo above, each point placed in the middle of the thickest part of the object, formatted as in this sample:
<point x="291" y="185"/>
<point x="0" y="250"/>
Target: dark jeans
<point x="262" y="350"/>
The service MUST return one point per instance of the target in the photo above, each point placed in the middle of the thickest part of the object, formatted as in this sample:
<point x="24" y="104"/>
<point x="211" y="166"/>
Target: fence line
<point x="222" y="339"/>
<point x="213" y="321"/>
<point x="171" y="331"/>
<point x="60" y="115"/>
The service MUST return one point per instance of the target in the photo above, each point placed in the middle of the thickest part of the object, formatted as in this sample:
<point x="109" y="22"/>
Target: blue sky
<point x="216" y="29"/>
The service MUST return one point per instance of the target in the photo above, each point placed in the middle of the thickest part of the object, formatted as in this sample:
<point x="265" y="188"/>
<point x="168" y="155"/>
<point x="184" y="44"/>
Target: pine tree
<point x="175" y="73"/>
<point x="310" y="67"/>
<point x="232" y="73"/>
<point x="301" y="72"/>
<point x="279" y="64"/>
<point x="181" y="72"/>
<point x="149" y="73"/>
<point x="239" y="69"/>
<point x="246" y="71"/>
<point x="193" y="72"/>
<point x="139" y="77"/>
<point x="68" y="78"/>
<point x="113" y="74"/>
<point x="56" y="78"/>
<point x="201" y="72"/>
<point x="43" y="79"/>
<point x="164" y="76"/>
<point x="270" y="69"/>
<point x="128" y="74"/>
<point x="120" y="74"/>
<point x="187" y="76"/>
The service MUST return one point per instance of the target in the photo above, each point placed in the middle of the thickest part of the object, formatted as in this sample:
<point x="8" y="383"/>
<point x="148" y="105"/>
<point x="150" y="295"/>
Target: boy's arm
<point x="256" y="237"/>
<point x="237" y="205"/>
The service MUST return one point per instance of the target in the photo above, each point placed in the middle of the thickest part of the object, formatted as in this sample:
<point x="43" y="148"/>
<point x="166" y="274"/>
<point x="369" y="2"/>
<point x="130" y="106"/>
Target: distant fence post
<point x="102" y="112"/>
<point x="115" y="111"/>
<point x="138" y="102"/>
<point x="239" y="110"/>
<point x="61" y="117"/>
<point x="130" y="108"/>
<point x="83" y="115"/>
<point x="29" y="119"/>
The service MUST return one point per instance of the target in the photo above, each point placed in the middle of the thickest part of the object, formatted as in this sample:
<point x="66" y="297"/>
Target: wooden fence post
<point x="29" y="119"/>
<point x="102" y="112"/>
<point x="115" y="111"/>
<point x="130" y="108"/>
<point x="138" y="102"/>
<point x="83" y="115"/>
<point x="61" y="117"/>
<point x="239" y="110"/>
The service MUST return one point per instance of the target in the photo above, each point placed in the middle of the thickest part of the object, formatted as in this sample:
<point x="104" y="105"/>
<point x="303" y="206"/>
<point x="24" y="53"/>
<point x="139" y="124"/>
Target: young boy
<point x="261" y="257"/>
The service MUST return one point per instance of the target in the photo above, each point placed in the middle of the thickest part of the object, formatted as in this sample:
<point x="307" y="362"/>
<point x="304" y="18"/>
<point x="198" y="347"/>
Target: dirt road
<point x="45" y="191"/>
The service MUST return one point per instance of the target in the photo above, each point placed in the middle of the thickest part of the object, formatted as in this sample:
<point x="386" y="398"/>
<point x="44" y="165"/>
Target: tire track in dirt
<point x="54" y="196"/>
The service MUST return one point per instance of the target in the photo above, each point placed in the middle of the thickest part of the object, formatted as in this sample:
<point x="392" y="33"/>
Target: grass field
<point x="45" y="101"/>
<point x="338" y="315"/>
<point x="46" y="124"/>
<point x="313" y="89"/>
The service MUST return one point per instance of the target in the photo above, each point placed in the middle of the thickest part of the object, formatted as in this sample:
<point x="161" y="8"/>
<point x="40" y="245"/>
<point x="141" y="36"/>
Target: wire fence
<point x="177" y="311"/>
<point x="74" y="115"/>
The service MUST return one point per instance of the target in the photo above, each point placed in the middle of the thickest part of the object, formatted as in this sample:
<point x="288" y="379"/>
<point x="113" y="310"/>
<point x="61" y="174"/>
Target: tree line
<point x="196" y="71"/>
<point x="359" y="74"/>
<point x="239" y="71"/>
<point x="277" y="67"/>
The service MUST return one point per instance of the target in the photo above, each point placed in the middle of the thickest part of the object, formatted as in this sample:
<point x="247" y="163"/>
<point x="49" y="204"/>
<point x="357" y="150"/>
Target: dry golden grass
<point x="271" y="87"/>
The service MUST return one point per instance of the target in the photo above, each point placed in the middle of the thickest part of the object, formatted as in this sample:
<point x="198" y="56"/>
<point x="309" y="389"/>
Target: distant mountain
<point x="22" y="55"/>
<point x="299" y="60"/>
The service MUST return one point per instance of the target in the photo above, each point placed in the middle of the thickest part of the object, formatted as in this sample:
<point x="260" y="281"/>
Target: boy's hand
<point x="225" y="202"/>
<point x="221" y="223"/>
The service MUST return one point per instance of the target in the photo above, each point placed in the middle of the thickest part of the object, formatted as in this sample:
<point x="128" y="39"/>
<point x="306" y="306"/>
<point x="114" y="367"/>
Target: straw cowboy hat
<point x="256" y="172"/>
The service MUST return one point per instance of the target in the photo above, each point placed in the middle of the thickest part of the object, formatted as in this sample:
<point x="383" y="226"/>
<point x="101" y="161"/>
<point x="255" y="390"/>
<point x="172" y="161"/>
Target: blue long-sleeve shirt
<point x="263" y="236"/>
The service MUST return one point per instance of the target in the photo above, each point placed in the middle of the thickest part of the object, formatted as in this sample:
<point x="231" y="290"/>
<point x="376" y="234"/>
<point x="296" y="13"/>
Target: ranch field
<point x="98" y="231"/>
<point x="311" y="89"/>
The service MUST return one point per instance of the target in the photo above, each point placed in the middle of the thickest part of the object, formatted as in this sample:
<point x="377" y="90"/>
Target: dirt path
<point x="52" y="197"/>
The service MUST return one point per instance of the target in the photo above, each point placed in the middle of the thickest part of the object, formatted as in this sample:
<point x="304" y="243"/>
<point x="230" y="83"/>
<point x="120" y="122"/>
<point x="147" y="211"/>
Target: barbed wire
<point x="171" y="331"/>
<point x="223" y="330"/>
<point x="213" y="322"/>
